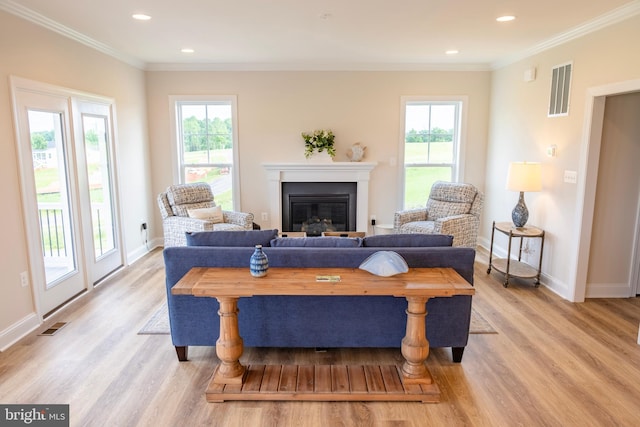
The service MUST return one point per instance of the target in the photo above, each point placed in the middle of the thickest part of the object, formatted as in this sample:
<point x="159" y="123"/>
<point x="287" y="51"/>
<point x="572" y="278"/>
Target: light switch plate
<point x="570" y="177"/>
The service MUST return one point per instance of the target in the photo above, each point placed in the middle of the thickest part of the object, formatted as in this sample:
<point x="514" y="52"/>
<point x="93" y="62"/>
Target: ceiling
<point x="322" y="34"/>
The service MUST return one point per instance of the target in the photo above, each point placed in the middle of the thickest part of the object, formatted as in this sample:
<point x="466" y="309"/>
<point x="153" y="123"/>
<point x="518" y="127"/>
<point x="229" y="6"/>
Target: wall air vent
<point x="560" y="89"/>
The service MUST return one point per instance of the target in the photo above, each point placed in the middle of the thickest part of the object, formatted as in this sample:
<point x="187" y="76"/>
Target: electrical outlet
<point x="24" y="279"/>
<point x="143" y="226"/>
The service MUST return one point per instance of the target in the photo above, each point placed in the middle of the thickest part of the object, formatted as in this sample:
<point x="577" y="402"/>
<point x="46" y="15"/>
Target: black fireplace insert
<point x="315" y="207"/>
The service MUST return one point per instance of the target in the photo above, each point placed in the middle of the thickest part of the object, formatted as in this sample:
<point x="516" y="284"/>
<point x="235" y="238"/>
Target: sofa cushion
<point x="407" y="240"/>
<point x="231" y="238"/>
<point x="318" y="242"/>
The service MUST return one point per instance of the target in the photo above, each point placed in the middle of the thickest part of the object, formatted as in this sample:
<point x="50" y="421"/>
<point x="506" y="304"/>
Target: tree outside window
<point x="431" y="140"/>
<point x="206" y="138"/>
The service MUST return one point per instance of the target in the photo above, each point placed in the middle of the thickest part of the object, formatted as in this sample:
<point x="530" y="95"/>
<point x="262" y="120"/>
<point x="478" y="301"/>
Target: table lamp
<point x="523" y="176"/>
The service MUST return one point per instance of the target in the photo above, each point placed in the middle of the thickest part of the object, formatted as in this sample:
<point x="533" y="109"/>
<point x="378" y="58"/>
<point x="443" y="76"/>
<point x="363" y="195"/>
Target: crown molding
<point x="337" y="66"/>
<point x="619" y="14"/>
<point x="41" y="20"/>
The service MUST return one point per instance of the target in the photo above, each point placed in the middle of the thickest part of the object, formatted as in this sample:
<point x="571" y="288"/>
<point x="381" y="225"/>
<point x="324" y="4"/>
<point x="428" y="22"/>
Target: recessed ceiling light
<point x="187" y="50"/>
<point x="140" y="16"/>
<point x="452" y="52"/>
<point x="505" y="18"/>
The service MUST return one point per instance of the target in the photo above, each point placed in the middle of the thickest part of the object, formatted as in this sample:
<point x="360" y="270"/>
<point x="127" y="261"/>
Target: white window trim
<point x="458" y="167"/>
<point x="175" y="153"/>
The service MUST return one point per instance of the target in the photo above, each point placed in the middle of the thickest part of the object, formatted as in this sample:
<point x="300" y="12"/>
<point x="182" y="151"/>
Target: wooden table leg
<point x="415" y="347"/>
<point x="229" y="346"/>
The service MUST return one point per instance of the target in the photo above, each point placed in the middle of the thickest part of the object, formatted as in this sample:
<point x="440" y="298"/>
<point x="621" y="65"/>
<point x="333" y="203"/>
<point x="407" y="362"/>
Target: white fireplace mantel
<point x="358" y="172"/>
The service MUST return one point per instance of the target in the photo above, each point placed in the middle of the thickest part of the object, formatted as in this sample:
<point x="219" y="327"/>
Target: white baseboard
<point x="142" y="250"/>
<point x="608" y="290"/>
<point x="18" y="330"/>
<point x="558" y="287"/>
<point x="484" y="243"/>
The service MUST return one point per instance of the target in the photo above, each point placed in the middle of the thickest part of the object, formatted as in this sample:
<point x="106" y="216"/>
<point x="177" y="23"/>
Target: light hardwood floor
<point x="552" y="363"/>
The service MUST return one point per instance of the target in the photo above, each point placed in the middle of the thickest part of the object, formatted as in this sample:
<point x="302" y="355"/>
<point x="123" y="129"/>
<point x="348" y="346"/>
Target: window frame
<point x="178" y="165"/>
<point x="457" y="166"/>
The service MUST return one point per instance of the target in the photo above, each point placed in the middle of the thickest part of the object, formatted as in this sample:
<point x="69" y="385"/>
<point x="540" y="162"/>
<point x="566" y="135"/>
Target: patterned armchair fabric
<point x="174" y="204"/>
<point x="453" y="208"/>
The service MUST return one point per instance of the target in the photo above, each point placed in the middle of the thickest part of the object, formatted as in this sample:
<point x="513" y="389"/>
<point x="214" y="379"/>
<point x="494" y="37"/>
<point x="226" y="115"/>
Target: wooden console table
<point x="411" y="381"/>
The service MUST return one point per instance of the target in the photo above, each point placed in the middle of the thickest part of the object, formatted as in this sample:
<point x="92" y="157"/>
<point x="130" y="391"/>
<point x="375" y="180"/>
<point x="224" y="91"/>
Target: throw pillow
<point x="231" y="238"/>
<point x="213" y="214"/>
<point x="407" y="240"/>
<point x="318" y="242"/>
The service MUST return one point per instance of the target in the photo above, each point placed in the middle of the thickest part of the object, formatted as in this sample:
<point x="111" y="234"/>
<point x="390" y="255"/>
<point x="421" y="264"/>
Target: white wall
<point x="34" y="53"/>
<point x="521" y="130"/>
<point x="275" y="107"/>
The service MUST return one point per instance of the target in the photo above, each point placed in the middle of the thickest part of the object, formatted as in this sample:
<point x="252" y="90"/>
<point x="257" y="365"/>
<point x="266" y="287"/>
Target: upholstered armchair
<point x="453" y="208"/>
<point x="191" y="207"/>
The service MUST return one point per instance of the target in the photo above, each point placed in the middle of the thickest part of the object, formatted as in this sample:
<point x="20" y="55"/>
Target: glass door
<point x="94" y="147"/>
<point x="49" y="192"/>
<point x="52" y="194"/>
<point x="66" y="149"/>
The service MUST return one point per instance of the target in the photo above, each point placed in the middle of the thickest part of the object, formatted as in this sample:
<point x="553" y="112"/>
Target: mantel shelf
<point x="310" y="165"/>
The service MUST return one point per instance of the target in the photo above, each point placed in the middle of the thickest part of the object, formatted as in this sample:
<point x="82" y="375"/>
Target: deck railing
<point x="52" y="230"/>
<point x="56" y="237"/>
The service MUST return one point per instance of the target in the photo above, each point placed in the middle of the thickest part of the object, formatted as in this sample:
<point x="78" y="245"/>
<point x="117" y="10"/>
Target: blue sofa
<point x="322" y="322"/>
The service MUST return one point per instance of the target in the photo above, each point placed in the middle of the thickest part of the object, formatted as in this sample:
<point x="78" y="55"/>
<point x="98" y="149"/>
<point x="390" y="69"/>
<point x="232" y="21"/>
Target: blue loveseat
<point x="325" y="322"/>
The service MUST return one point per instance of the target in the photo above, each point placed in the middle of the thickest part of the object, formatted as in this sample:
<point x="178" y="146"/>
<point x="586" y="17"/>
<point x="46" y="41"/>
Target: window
<point x="206" y="135"/>
<point x="430" y="146"/>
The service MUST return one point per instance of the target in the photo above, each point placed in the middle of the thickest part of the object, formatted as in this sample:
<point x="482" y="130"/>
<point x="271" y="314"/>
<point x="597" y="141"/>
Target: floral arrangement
<point x="319" y="140"/>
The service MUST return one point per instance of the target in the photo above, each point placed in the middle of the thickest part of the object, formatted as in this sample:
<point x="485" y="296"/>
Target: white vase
<point x="320" y="157"/>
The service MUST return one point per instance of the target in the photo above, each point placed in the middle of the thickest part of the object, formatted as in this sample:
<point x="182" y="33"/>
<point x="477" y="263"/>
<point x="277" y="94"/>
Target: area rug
<point x="158" y="324"/>
<point x="479" y="324"/>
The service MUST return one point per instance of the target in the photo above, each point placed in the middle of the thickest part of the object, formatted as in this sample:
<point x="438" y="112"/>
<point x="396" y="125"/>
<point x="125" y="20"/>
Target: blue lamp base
<point x="520" y="213"/>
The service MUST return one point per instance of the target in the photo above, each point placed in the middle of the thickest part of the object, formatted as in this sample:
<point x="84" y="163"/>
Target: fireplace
<point x="315" y="207"/>
<point x="357" y="173"/>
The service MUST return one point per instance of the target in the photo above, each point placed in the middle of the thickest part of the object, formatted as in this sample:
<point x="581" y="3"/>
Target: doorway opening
<point x="587" y="187"/>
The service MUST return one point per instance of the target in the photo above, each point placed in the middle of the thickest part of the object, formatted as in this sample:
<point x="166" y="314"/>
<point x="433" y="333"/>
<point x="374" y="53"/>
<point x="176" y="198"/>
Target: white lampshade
<point x="524" y="176"/>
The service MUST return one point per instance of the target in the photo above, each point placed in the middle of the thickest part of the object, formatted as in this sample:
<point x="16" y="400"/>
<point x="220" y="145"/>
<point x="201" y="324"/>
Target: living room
<point x="506" y="121"/>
